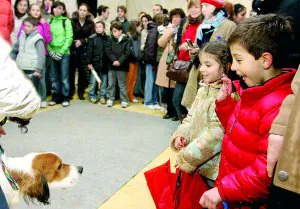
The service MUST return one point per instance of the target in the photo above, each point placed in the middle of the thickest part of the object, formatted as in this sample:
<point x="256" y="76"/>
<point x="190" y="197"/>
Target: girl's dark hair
<point x="35" y="4"/>
<point x="220" y="50"/>
<point x="17" y="13"/>
<point x="238" y="8"/>
<point x="133" y="24"/>
<point x="57" y="4"/>
<point x="31" y="20"/>
<point x="177" y="11"/>
<point x="117" y="25"/>
<point x="149" y="18"/>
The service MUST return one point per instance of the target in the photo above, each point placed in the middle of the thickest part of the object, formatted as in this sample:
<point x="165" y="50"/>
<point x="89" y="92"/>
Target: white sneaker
<point x="109" y="103"/>
<point x="52" y="103"/>
<point x="44" y="104"/>
<point x="135" y="100"/>
<point x="156" y="107"/>
<point x="65" y="104"/>
<point x="124" y="104"/>
<point x="149" y="107"/>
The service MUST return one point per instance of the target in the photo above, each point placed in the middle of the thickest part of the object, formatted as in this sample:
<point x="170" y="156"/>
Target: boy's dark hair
<point x="102" y="8"/>
<point x="265" y="33"/>
<point x="122" y="7"/>
<point x="57" y="4"/>
<point x="16" y="12"/>
<point x="161" y="19"/>
<point x="31" y="20"/>
<point x="100" y="22"/>
<point x="176" y="11"/>
<point x="116" y="25"/>
<point x="220" y="50"/>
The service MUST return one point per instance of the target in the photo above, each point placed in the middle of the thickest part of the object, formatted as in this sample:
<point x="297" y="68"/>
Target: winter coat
<point x="287" y="124"/>
<point x="17" y="24"/>
<point x="44" y="30"/>
<point x="18" y="97"/>
<point x="160" y="50"/>
<point x="242" y="172"/>
<point x="62" y="35"/>
<point x="118" y="51"/>
<point x="125" y="25"/>
<point x="204" y="134"/>
<point x="150" y="49"/>
<point x="96" y="56"/>
<point x="6" y="19"/>
<point x="82" y="33"/>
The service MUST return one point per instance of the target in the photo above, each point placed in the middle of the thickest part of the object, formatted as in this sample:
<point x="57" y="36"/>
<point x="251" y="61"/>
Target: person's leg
<point x="177" y="97"/>
<point x="64" y="69"/>
<point x="138" y="85"/>
<point x="93" y="84"/>
<point x="103" y="87"/>
<point x="55" y="80"/>
<point x="82" y="83"/>
<point x="73" y="67"/>
<point x="111" y="90"/>
<point x="47" y="76"/>
<point x="42" y="86"/>
<point x="283" y="199"/>
<point x="121" y="75"/>
<point x="3" y="202"/>
<point x="149" y="85"/>
<point x="129" y="81"/>
<point x="154" y="89"/>
<point x="170" y="106"/>
<point x="134" y="78"/>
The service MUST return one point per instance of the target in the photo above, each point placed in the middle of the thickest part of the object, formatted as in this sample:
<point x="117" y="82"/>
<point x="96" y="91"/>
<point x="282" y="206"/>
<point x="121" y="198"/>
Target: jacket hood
<point x="215" y="85"/>
<point x="152" y="25"/>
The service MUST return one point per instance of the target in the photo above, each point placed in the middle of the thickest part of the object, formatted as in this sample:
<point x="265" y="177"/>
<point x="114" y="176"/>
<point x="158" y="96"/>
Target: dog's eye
<point x="59" y="167"/>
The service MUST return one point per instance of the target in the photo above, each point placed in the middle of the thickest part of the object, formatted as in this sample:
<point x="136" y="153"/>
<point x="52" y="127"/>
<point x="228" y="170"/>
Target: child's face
<point x="246" y="66"/>
<point x="145" y="22"/>
<point x="116" y="33"/>
<point x="58" y="11"/>
<point x="176" y="19"/>
<point x="22" y="7"/>
<point x="194" y="11"/>
<point x="35" y="11"/>
<point x="240" y="17"/>
<point x="121" y="13"/>
<point x="207" y="10"/>
<point x="210" y="69"/>
<point x="28" y="27"/>
<point x="99" y="28"/>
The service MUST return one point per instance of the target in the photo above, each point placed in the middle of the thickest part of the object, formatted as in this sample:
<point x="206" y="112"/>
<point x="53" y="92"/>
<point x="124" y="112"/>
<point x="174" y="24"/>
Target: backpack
<point x="135" y="52"/>
<point x="63" y="22"/>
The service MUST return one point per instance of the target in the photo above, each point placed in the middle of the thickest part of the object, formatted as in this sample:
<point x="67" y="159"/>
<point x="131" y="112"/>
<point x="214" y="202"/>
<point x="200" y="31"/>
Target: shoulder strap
<point x="63" y="22"/>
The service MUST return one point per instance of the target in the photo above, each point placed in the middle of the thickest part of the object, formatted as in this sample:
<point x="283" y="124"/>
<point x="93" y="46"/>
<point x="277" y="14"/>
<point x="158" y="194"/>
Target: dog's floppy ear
<point x="33" y="188"/>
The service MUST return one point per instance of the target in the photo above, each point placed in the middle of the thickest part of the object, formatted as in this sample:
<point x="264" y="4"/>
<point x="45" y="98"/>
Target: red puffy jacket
<point x="243" y="175"/>
<point x="6" y="19"/>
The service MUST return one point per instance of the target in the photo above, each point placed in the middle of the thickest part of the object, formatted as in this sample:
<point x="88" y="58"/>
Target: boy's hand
<point x="90" y="66"/>
<point x="116" y="63"/>
<point x="210" y="199"/>
<point x="38" y="75"/>
<point x="226" y="89"/>
<point x="77" y="43"/>
<point x="180" y="142"/>
<point x="274" y="150"/>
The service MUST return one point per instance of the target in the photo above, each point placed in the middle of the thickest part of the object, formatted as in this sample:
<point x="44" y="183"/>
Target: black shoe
<point x="175" y="119"/>
<point x="166" y="116"/>
<point x="81" y="97"/>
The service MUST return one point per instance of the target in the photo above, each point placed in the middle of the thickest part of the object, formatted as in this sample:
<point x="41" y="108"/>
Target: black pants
<point x="167" y="96"/>
<point x="283" y="199"/>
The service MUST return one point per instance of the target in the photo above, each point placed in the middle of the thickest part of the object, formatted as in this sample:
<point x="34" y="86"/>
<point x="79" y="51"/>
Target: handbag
<point x="178" y="70"/>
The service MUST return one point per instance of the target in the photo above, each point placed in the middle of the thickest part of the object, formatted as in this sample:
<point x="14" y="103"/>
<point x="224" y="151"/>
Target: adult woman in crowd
<point x="240" y="12"/>
<point x="83" y="27"/>
<point x="167" y="41"/>
<point x="20" y="13"/>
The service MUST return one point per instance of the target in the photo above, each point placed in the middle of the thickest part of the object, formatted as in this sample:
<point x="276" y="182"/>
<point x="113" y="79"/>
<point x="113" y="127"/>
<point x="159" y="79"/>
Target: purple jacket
<point x="44" y="31"/>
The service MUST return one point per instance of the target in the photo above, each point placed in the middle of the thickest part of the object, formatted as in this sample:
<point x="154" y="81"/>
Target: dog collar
<point x="7" y="173"/>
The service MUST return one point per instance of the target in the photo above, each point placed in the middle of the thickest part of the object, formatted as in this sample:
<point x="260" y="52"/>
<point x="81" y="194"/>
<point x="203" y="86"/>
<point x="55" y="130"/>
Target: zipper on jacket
<point x="230" y="130"/>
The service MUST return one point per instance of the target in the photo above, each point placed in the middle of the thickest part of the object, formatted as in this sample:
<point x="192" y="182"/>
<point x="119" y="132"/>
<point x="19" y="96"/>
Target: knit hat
<point x="217" y="3"/>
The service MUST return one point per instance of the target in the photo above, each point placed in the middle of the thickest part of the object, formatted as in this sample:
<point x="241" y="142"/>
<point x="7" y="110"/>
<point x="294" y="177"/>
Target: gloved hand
<point x="52" y="54"/>
<point x="58" y="56"/>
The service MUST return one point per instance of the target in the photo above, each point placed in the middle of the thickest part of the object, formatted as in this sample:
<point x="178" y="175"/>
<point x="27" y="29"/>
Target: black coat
<point x="150" y="49"/>
<point x="96" y="52"/>
<point x="82" y="32"/>
<point x="118" y="51"/>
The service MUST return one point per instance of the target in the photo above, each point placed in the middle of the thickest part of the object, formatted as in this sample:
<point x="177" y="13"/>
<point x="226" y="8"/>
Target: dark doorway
<point x="92" y="4"/>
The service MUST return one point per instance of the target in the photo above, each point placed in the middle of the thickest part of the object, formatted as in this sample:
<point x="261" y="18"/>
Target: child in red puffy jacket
<point x="259" y="47"/>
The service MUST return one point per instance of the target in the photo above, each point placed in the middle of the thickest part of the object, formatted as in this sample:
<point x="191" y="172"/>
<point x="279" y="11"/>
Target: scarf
<point x="194" y="20"/>
<point x="211" y="24"/>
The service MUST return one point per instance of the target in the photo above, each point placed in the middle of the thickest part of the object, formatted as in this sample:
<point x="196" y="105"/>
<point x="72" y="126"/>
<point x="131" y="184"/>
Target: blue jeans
<point x="177" y="97"/>
<point x="151" y="89"/>
<point x="3" y="203"/>
<point x="60" y="78"/>
<point x="93" y="86"/>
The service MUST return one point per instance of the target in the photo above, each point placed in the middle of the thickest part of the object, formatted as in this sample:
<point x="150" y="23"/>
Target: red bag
<point x="178" y="190"/>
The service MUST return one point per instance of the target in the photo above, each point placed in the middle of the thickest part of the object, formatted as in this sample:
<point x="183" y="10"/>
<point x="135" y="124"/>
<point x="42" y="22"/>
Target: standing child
<point x="134" y="37"/>
<point x="30" y="49"/>
<point x="118" y="52"/>
<point x="59" y="50"/>
<point x="96" y="59"/>
<point x="259" y="47"/>
<point x="43" y="29"/>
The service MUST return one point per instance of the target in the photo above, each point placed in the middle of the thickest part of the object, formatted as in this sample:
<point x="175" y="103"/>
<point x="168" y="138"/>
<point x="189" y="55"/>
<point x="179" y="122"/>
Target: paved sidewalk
<point x="112" y="145"/>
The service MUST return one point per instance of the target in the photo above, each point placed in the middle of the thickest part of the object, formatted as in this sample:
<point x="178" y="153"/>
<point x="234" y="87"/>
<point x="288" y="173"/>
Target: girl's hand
<point x="226" y="89"/>
<point x="184" y="47"/>
<point x="38" y="75"/>
<point x="180" y="142"/>
<point x="274" y="150"/>
<point x="210" y="199"/>
<point x="42" y="21"/>
<point x="116" y="63"/>
<point x="194" y="50"/>
<point x="90" y="66"/>
<point x="77" y="43"/>
<point x="169" y="31"/>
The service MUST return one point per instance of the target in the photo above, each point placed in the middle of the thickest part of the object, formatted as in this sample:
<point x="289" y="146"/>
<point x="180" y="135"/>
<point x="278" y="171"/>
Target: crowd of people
<point x="235" y="73"/>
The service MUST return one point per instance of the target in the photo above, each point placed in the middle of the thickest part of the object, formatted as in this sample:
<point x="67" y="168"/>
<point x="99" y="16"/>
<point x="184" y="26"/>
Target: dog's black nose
<point x="80" y="169"/>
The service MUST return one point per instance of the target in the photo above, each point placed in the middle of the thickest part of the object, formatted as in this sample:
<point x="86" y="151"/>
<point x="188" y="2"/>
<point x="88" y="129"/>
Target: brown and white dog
<point x="34" y="174"/>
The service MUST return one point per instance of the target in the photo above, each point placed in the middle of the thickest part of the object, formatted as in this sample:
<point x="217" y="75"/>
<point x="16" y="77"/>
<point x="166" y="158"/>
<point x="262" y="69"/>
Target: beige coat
<point x="203" y="132"/>
<point x="287" y="124"/>
<point x="190" y="92"/>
